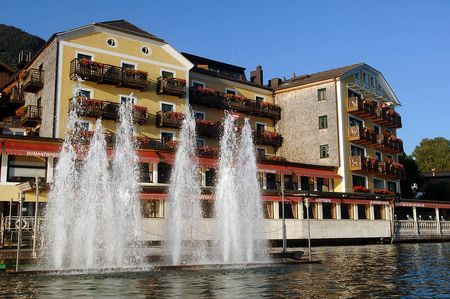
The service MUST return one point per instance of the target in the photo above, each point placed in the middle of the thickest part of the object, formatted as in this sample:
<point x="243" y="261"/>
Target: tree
<point x="412" y="175"/>
<point x="433" y="154"/>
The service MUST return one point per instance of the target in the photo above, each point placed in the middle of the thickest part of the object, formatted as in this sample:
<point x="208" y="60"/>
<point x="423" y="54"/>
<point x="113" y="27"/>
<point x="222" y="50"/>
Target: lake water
<point x="407" y="270"/>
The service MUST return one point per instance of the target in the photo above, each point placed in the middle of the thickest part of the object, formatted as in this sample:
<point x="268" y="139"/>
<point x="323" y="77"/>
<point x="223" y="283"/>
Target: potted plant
<point x="360" y="189"/>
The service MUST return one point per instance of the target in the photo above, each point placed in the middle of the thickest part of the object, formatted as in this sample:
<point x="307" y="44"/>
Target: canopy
<point x="34" y="149"/>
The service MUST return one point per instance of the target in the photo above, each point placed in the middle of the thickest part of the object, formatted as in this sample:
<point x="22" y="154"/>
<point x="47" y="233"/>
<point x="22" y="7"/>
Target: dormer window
<point x="372" y="81"/>
<point x="357" y="76"/>
<point x="365" y="78"/>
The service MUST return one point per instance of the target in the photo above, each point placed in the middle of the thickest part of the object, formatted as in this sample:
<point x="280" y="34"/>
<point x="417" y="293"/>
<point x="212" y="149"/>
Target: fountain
<point x="93" y="215"/>
<point x="238" y="210"/>
<point x="184" y="194"/>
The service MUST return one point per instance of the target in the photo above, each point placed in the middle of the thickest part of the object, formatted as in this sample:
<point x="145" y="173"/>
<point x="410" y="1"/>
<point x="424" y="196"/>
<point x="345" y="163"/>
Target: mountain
<point x="13" y="40"/>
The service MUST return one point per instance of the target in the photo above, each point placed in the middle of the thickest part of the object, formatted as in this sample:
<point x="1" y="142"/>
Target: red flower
<point x="360" y="189"/>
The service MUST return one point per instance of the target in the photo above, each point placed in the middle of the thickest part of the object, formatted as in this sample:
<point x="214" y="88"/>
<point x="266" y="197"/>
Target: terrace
<point x="108" y="74"/>
<point x="33" y="81"/>
<point x="30" y="115"/>
<point x="366" y="108"/>
<point x="171" y="86"/>
<point x="220" y="100"/>
<point x="264" y="137"/>
<point x="363" y="164"/>
<point x="362" y="135"/>
<point x="108" y="110"/>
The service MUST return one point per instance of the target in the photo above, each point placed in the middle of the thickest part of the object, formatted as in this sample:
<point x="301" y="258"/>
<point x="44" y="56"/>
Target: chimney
<point x="275" y="82"/>
<point x="256" y="76"/>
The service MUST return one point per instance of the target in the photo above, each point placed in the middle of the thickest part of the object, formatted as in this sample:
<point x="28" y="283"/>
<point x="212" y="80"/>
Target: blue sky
<point x="408" y="41"/>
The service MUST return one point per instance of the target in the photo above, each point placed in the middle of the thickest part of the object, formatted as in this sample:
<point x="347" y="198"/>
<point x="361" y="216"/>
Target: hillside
<point x="14" y="40"/>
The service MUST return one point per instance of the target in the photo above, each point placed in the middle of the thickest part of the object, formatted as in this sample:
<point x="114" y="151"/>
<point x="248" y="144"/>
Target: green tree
<point x="412" y="175"/>
<point x="433" y="154"/>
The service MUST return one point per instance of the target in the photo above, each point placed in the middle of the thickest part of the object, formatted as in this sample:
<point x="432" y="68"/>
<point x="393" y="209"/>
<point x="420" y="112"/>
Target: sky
<point x="407" y="40"/>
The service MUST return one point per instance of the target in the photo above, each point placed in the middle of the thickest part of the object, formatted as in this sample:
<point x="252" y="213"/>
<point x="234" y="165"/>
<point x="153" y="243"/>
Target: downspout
<point x="56" y="90"/>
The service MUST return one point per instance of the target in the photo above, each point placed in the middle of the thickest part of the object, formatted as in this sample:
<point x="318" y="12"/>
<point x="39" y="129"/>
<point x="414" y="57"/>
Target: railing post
<point x="438" y="224"/>
<point x="416" y="223"/>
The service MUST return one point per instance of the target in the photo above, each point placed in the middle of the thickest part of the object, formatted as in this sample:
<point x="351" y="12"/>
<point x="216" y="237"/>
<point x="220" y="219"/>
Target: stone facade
<point x="299" y="125"/>
<point x="48" y="59"/>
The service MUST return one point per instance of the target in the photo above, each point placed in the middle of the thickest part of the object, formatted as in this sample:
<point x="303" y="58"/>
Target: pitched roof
<point x="127" y="27"/>
<point x="324" y="75"/>
<point x="202" y="60"/>
<point x="7" y="67"/>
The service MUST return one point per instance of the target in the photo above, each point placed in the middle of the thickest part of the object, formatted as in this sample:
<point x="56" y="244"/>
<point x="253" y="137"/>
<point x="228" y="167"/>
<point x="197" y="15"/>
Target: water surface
<point x="407" y="270"/>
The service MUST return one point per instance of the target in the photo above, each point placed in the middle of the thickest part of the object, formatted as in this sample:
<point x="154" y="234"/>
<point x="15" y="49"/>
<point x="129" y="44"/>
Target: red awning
<point x="168" y="158"/>
<point x="153" y="196"/>
<point x="21" y="148"/>
<point x="207" y="162"/>
<point x="148" y="156"/>
<point x="274" y="169"/>
<point x="311" y="172"/>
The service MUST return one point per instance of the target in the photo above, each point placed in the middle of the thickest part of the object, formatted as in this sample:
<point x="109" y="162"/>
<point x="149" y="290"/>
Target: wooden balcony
<point x="361" y="135"/>
<point x="169" y="119"/>
<point x="389" y="143"/>
<point x="171" y="86"/>
<point x="264" y="137"/>
<point x="16" y="96"/>
<point x="33" y="81"/>
<point x="107" y="110"/>
<point x="363" y="164"/>
<point x="220" y="100"/>
<point x="156" y="144"/>
<point x="208" y="128"/>
<point x="10" y="122"/>
<point x="108" y="74"/>
<point x="391" y="170"/>
<point x="30" y="115"/>
<point x="366" y="108"/>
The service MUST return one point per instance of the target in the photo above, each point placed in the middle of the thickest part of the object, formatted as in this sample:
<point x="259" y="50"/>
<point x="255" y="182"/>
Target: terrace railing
<point x="171" y="86"/>
<point x="33" y="81"/>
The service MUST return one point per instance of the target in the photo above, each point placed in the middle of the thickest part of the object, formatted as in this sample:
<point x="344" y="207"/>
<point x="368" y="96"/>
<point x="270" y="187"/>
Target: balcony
<point x="220" y="100"/>
<point x="169" y="119"/>
<point x="271" y="159"/>
<point x="10" y="122"/>
<point x="16" y="96"/>
<point x="156" y="144"/>
<point x="389" y="143"/>
<point x="363" y="164"/>
<point x="208" y="128"/>
<point x="391" y="169"/>
<point x="366" y="108"/>
<point x="361" y="135"/>
<point x="33" y="81"/>
<point x="30" y="115"/>
<point x="107" y="110"/>
<point x="171" y="86"/>
<point x="108" y="74"/>
<point x="264" y="137"/>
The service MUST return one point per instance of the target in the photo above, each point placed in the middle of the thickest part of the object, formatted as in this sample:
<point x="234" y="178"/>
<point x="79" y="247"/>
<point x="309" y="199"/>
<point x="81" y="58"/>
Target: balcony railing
<point x="30" y="115"/>
<point x="107" y="110"/>
<point x="108" y="74"/>
<point x="216" y="99"/>
<point x="169" y="119"/>
<point x="361" y="135"/>
<point x="389" y="143"/>
<point x="389" y="168"/>
<point x="156" y="144"/>
<point x="366" y="108"/>
<point x="33" y="81"/>
<point x="363" y="164"/>
<point x="264" y="137"/>
<point x="171" y="86"/>
<point x="17" y="96"/>
<point x="208" y="128"/>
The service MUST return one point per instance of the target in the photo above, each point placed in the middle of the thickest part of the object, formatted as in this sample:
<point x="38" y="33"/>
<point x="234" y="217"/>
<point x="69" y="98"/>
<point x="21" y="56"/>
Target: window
<point x="84" y="56"/>
<point x="260" y="127"/>
<point x="365" y="80"/>
<point x="260" y="152"/>
<point x="111" y="42"/>
<point x="82" y="126"/>
<point x="230" y="91"/>
<point x="200" y="142"/>
<point x="26" y="168"/>
<point x="378" y="156"/>
<point x="357" y="76"/>
<point x="376" y="129"/>
<point x="324" y="151"/>
<point x="163" y="173"/>
<point x="378" y="184"/>
<point x="128" y="66"/>
<point x="197" y="84"/>
<point x="268" y="209"/>
<point x="145" y="50"/>
<point x="127" y="99"/>
<point x="259" y="99"/>
<point x="356" y="150"/>
<point x="307" y="183"/>
<point x="166" y="136"/>
<point x="271" y="181"/>
<point x="199" y="115"/>
<point x="84" y="93"/>
<point x="166" y="107"/>
<point x="167" y="74"/>
<point x="358" y="181"/>
<point x="321" y="94"/>
<point x="210" y="177"/>
<point x="323" y="122"/>
<point x="207" y="208"/>
<point x="289" y="183"/>
<point x="323" y="184"/>
<point x="372" y="81"/>
<point x="146" y="172"/>
<point x="355" y="122"/>
<point x="392" y="186"/>
<point x="152" y="209"/>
